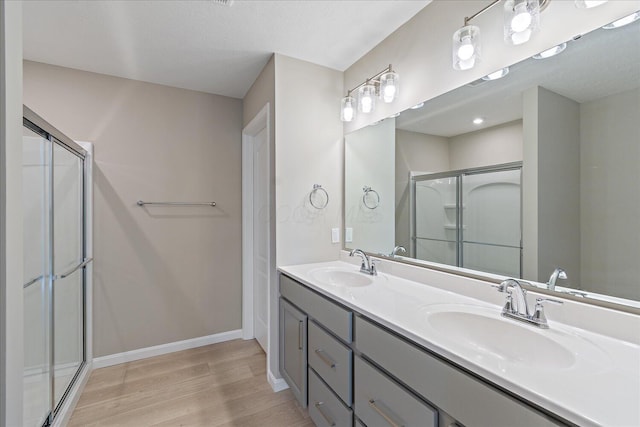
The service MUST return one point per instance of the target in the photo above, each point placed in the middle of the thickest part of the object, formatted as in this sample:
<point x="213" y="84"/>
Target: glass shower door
<point x="36" y="166"/>
<point x="54" y="281"/>
<point x="492" y="232"/>
<point x="435" y="221"/>
<point x="68" y="255"/>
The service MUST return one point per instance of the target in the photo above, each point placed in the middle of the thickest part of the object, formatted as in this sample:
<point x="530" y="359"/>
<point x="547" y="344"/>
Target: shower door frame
<point x="458" y="174"/>
<point x="60" y="411"/>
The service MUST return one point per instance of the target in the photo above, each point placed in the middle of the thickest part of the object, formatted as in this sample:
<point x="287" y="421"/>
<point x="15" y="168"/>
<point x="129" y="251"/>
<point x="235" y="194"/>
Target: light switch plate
<point x="335" y="235"/>
<point x="348" y="235"/>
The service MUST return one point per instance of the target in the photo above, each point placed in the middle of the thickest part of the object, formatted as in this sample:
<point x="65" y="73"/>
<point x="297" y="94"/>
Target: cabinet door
<point x="293" y="350"/>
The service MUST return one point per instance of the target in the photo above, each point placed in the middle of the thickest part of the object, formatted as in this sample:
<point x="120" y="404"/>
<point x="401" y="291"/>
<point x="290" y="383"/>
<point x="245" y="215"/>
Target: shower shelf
<point x="453" y="227"/>
<point x="452" y="206"/>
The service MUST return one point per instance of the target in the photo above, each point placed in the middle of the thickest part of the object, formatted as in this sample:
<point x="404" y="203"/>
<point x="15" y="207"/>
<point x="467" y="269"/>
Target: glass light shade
<point x="348" y="109"/>
<point x="466" y="52"/>
<point x="521" y="20"/>
<point x="389" y="86"/>
<point x="367" y="98"/>
<point x="588" y="4"/>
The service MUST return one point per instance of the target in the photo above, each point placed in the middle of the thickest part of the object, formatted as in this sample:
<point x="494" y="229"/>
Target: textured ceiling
<point x="203" y="45"/>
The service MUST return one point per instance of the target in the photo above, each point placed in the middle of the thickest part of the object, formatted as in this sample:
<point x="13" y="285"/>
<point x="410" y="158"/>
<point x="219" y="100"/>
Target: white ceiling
<point x="203" y="45"/>
<point x="601" y="63"/>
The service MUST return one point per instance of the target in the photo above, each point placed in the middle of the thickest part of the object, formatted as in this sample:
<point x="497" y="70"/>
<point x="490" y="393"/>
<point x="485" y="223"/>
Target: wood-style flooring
<point x="217" y="385"/>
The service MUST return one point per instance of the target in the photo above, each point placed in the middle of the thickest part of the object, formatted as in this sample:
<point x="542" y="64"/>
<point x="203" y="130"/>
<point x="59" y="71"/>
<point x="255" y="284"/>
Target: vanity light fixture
<point x="550" y="52"/>
<point x="383" y="85"/>
<point x="588" y="4"/>
<point x="497" y="74"/>
<point x="417" y="106"/>
<point x="623" y="21"/>
<point x="521" y="20"/>
<point x="348" y="108"/>
<point x="478" y="121"/>
<point x="393" y="116"/>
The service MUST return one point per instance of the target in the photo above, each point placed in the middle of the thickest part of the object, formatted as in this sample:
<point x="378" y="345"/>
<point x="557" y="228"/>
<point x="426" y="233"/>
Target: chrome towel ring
<point x="319" y="198"/>
<point x="370" y="198"/>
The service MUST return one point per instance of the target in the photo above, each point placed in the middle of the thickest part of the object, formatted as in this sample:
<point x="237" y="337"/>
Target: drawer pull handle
<point x="388" y="417"/>
<point x="326" y="417"/>
<point x="326" y="358"/>
<point x="300" y="339"/>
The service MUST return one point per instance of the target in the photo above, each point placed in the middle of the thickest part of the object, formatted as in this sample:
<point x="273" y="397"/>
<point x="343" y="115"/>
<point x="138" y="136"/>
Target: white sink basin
<point x="481" y="333"/>
<point x="336" y="276"/>
<point x="487" y="333"/>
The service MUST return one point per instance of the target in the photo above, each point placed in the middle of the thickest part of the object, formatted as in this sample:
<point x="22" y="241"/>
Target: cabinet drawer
<point x="325" y="409"/>
<point x="329" y="314"/>
<point x="469" y="400"/>
<point x="381" y="402"/>
<point x="331" y="360"/>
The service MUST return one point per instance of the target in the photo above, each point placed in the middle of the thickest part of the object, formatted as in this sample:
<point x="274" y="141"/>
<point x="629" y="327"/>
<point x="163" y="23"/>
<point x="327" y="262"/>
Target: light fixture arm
<point x="375" y="79"/>
<point x="468" y="19"/>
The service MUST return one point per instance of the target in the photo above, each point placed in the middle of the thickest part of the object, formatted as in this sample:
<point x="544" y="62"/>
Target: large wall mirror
<point x="517" y="176"/>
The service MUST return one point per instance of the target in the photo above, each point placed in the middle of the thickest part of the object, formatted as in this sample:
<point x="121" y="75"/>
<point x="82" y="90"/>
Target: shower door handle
<point x="73" y="270"/>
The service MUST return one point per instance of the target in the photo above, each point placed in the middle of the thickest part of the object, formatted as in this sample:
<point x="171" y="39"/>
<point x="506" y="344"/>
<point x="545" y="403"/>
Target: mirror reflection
<point x="533" y="175"/>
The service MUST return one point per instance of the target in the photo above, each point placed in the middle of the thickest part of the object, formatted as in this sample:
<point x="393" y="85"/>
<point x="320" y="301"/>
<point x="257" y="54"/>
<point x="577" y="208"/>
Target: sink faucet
<point x="518" y="309"/>
<point x="558" y="273"/>
<point x="519" y="306"/>
<point x="396" y="250"/>
<point x="367" y="265"/>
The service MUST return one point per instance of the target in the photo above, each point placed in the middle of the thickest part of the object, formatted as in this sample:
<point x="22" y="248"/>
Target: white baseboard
<point x="277" y="384"/>
<point x="157" y="350"/>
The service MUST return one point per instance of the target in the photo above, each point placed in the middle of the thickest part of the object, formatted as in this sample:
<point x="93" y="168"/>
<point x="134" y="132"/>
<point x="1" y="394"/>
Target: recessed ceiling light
<point x="550" y="52"/>
<point x="623" y="21"/>
<point x="415" y="107"/>
<point x="478" y="121"/>
<point x="497" y="74"/>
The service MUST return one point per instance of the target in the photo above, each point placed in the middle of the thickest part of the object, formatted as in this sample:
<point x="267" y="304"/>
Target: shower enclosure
<point x="56" y="180"/>
<point x="469" y="218"/>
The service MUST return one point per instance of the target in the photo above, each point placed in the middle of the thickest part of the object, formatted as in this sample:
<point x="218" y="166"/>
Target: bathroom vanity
<point x="382" y="350"/>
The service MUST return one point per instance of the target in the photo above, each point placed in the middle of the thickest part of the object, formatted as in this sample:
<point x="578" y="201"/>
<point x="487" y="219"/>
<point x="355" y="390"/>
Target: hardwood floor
<point x="218" y="385"/>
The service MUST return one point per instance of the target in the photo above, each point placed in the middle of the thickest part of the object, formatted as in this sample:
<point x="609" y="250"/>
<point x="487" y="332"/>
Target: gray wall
<point x="486" y="147"/>
<point x="160" y="274"/>
<point x="11" y="315"/>
<point x="610" y="195"/>
<point x="551" y="175"/>
<point x="417" y="152"/>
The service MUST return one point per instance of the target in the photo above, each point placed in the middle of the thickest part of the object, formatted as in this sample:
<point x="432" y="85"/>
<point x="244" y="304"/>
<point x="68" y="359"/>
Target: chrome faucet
<point x="396" y="250"/>
<point x="518" y="309"/>
<point x="519" y="306"/>
<point x="367" y="265"/>
<point x="558" y="273"/>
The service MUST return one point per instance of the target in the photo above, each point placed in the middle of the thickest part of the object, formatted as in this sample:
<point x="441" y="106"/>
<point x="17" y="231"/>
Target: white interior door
<point x="261" y="237"/>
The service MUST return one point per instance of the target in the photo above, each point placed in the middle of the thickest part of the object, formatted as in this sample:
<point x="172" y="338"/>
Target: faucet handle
<point x="538" y="313"/>
<point x="539" y="301"/>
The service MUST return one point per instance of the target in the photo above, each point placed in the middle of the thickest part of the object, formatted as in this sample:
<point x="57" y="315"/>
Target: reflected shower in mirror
<point x="515" y="176"/>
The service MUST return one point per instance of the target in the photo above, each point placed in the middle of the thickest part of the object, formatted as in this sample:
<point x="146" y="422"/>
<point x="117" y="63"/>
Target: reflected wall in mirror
<point x="547" y="177"/>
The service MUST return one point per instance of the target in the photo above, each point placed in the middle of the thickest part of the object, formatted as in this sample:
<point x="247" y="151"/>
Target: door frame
<point x="255" y="126"/>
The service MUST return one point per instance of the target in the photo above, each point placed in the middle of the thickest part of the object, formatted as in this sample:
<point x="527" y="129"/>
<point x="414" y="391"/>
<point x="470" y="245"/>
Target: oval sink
<point x="341" y="277"/>
<point x="485" y="332"/>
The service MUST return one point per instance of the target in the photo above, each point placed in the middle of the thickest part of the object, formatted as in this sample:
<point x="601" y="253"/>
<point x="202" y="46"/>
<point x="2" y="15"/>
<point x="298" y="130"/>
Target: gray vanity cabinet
<point x="293" y="350"/>
<point x="381" y="402"/>
<point x="469" y="400"/>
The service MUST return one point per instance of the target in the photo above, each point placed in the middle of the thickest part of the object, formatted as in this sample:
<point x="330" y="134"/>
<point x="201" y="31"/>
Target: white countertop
<point x="602" y="387"/>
